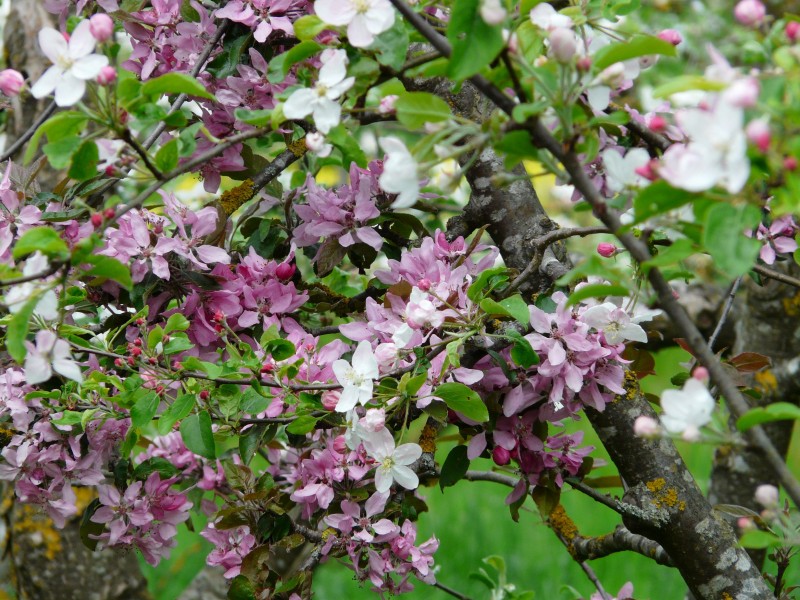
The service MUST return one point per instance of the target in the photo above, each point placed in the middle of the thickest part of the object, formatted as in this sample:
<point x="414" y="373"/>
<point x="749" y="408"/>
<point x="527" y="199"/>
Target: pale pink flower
<point x="767" y="496"/>
<point x="392" y="462"/>
<point x="750" y="12"/>
<point x="50" y="354"/>
<point x="399" y="173"/>
<point x="101" y="26"/>
<point x="687" y="409"/>
<point x="11" y="82"/>
<point x="365" y="19"/>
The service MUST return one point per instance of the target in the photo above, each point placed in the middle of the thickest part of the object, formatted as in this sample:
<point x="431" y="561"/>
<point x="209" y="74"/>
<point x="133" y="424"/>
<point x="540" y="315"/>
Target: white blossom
<point x="319" y="101"/>
<point x="50" y="354"/>
<point x="73" y="64"/>
<point x="356" y="378"/>
<point x="614" y="322"/>
<point x="621" y="171"/>
<point x="392" y="462"/>
<point x="687" y="409"/>
<point x="364" y="18"/>
<point x="18" y="295"/>
<point x="399" y="173"/>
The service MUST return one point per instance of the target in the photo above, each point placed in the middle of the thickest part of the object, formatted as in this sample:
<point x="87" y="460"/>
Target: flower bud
<point x="657" y="124"/>
<point x="101" y="27"/>
<point x="758" y="133"/>
<point x="743" y="92"/>
<point x="386" y="106"/>
<point x="284" y="271"/>
<point x="107" y="75"/>
<point x="11" y="82"/>
<point x="424" y="284"/>
<point x="339" y="444"/>
<point x="750" y="12"/>
<point x="492" y="12"/>
<point x="330" y="398"/>
<point x="645" y="62"/>
<point x="584" y="63"/>
<point x="745" y="524"/>
<point x="501" y="456"/>
<point x="767" y="496"/>
<point x="648" y="170"/>
<point x="671" y="36"/>
<point x="315" y="142"/>
<point x="701" y="374"/>
<point x="563" y="44"/>
<point x="97" y="220"/>
<point x="386" y="355"/>
<point x="691" y="434"/>
<point x="606" y="249"/>
<point x="793" y="31"/>
<point x="645" y="427"/>
<point x="790" y="163"/>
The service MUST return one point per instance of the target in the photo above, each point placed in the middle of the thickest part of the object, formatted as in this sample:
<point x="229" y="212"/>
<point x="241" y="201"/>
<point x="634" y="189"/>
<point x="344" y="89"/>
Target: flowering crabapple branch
<point x="776" y="275"/>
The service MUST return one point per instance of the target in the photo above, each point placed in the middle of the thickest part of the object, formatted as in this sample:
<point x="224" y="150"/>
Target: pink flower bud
<point x="285" y="271"/>
<point x="424" y="284"/>
<point x="386" y="355"/>
<point x="11" y="82"/>
<point x="563" y="44"/>
<point x="101" y="27"/>
<point x="107" y="75"/>
<point x="645" y="427"/>
<point x="606" y="250"/>
<point x="691" y="434"/>
<point x="315" y="142"/>
<point x="584" y="63"/>
<point x="648" y="170"/>
<point x="492" y="12"/>
<point x="750" y="12"/>
<point x="501" y="456"/>
<point x="330" y="399"/>
<point x="701" y="374"/>
<point x="758" y="133"/>
<point x="767" y="496"/>
<point x="793" y="30"/>
<point x="386" y="106"/>
<point x="671" y="36"/>
<point x="745" y="523"/>
<point x="339" y="445"/>
<point x="657" y="124"/>
<point x="790" y="163"/>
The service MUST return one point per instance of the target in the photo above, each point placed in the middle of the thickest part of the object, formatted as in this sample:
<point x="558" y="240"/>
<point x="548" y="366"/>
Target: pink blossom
<point x="750" y="12"/>
<point x="101" y="26"/>
<point x="11" y="82"/>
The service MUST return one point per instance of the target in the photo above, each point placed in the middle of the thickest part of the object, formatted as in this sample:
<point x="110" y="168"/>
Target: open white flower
<point x="687" y="409"/>
<point x="18" y="295"/>
<point x="319" y="101"/>
<point x="614" y="322"/>
<point x="392" y="462"/>
<point x="73" y="64"/>
<point x="50" y="354"/>
<point x="356" y="378"/>
<point x="364" y="18"/>
<point x="399" y="173"/>
<point x="621" y="171"/>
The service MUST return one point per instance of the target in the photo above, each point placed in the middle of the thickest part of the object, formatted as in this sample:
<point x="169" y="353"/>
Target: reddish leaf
<point x="750" y="362"/>
<point x="685" y="345"/>
<point x="643" y="363"/>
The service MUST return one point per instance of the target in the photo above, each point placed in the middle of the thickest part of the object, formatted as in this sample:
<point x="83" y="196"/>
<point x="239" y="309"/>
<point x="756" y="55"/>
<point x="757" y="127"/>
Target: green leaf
<point x="414" y="109"/>
<point x="680" y="249"/>
<point x="60" y="153"/>
<point x="486" y="282"/>
<point x="302" y="425"/>
<point x="348" y="145"/>
<point x="197" y="435"/>
<point x="657" y="198"/>
<point x="684" y="83"/>
<point x="68" y="417"/>
<point x="84" y="161"/>
<point x="779" y="411"/>
<point x="454" y="468"/>
<point x="518" y="308"/>
<point x="492" y="307"/>
<point x="257" y="118"/>
<point x="280" y="349"/>
<point x="522" y="353"/>
<point x="460" y="398"/>
<point x="176" y="322"/>
<point x="110" y="268"/>
<point x="156" y="464"/>
<point x="250" y="442"/>
<point x="475" y="43"/>
<point x="167" y="156"/>
<point x="44" y="239"/>
<point x="64" y="124"/>
<point x="638" y="45"/>
<point x="253" y="403"/>
<point x="17" y="330"/>
<point x="308" y="27"/>
<point x="225" y="63"/>
<point x="392" y="45"/>
<point x="241" y="589"/>
<point x="724" y="238"/>
<point x="89" y="529"/>
<point x="597" y="290"/>
<point x="414" y="384"/>
<point x="759" y="539"/>
<point x="280" y="65"/>
<point x="178" y="410"/>
<point x="145" y="409"/>
<point x="175" y="83"/>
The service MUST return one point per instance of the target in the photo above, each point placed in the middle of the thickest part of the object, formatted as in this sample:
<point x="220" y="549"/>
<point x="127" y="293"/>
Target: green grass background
<point x="472" y="522"/>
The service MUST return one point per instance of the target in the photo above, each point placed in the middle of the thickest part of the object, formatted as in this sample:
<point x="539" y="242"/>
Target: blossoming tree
<point x="336" y="326"/>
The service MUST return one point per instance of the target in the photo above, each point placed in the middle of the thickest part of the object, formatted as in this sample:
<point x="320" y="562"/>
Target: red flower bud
<point x="501" y="456"/>
<point x="97" y="220"/>
<point x="606" y="250"/>
<point x="285" y="271"/>
<point x="204" y="395"/>
<point x="790" y="163"/>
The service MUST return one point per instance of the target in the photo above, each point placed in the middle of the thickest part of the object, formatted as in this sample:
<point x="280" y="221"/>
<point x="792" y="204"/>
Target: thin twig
<point x="451" y="591"/>
<point x="725" y="311"/>
<point x="28" y="134"/>
<point x="26" y="278"/>
<point x="776" y="275"/>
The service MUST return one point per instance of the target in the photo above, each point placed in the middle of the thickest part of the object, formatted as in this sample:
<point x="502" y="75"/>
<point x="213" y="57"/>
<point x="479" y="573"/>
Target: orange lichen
<point x="427" y="439"/>
<point x="83" y="496"/>
<point x="231" y="200"/>
<point x="664" y="496"/>
<point x="560" y="522"/>
<point x="39" y="529"/>
<point x="726" y="596"/>
<point x="766" y="381"/>
<point x="298" y="147"/>
<point x="792" y="305"/>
